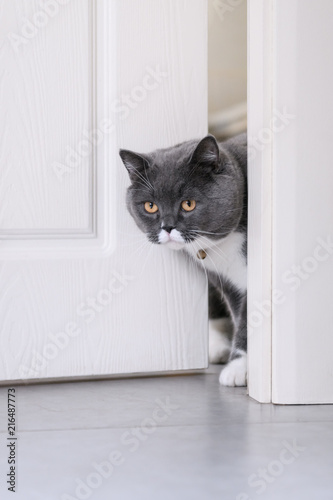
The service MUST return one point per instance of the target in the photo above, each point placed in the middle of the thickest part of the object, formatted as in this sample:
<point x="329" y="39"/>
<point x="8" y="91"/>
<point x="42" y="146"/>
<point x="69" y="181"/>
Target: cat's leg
<point x="220" y="331"/>
<point x="235" y="372"/>
<point x="220" y="327"/>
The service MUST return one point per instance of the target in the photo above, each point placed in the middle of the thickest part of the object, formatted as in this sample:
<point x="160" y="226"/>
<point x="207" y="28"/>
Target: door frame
<point x="260" y="153"/>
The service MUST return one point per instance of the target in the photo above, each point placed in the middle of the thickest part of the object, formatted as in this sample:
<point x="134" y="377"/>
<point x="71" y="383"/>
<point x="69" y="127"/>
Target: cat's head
<point x="181" y="193"/>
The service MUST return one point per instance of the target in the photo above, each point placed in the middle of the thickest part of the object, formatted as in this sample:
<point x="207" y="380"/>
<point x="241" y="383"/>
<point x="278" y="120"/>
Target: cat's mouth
<point x="172" y="239"/>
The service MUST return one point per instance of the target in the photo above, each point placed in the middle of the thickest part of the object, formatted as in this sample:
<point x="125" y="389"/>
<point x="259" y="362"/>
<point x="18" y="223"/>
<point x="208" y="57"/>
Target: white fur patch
<point x="176" y="236"/>
<point x="174" y="240"/>
<point x="219" y="343"/>
<point x="235" y="373"/>
<point x="163" y="236"/>
<point x="224" y="256"/>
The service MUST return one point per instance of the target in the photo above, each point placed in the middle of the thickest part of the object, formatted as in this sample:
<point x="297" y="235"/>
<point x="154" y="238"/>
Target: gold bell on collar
<point x="201" y="254"/>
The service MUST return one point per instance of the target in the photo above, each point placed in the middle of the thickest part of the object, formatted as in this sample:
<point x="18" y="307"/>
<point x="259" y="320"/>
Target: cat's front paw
<point x="235" y="373"/>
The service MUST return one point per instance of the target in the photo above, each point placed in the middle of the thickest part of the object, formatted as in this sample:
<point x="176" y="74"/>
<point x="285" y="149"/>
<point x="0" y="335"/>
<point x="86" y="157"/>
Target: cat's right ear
<point x="207" y="153"/>
<point x="134" y="163"/>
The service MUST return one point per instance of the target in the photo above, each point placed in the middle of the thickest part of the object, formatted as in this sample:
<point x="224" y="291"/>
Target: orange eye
<point x="188" y="205"/>
<point x="151" y="207"/>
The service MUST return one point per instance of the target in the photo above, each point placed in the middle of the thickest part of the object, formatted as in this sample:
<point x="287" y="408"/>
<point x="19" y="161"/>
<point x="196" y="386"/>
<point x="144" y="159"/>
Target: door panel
<point x="47" y="102"/>
<point x="83" y="294"/>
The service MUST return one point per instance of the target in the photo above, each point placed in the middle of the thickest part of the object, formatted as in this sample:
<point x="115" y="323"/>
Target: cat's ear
<point x="134" y="163"/>
<point x="207" y="153"/>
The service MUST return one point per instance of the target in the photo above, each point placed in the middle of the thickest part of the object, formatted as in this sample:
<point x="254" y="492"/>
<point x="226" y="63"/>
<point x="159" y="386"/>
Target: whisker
<point x="200" y="262"/>
<point x="143" y="185"/>
<point x="234" y="209"/>
<point x="217" y="250"/>
<point x="138" y="250"/>
<point x="145" y="181"/>
<point x="145" y="262"/>
<point x="204" y="232"/>
<point x="217" y="272"/>
<point x="147" y="177"/>
<point x="132" y="237"/>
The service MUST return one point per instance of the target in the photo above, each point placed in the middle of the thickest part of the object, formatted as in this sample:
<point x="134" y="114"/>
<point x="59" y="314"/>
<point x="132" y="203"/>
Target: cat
<point x="193" y="197"/>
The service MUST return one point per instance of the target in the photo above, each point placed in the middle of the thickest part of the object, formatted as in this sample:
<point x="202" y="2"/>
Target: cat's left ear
<point x="207" y="153"/>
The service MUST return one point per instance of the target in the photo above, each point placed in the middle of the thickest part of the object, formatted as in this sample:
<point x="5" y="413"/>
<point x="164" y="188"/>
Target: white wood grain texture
<point x="260" y="213"/>
<point x="158" y="321"/>
<point x="46" y="99"/>
<point x="99" y="87"/>
<point x="303" y="205"/>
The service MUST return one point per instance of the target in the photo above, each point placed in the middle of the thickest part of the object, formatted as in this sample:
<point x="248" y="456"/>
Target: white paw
<point x="219" y="343"/>
<point x="235" y="373"/>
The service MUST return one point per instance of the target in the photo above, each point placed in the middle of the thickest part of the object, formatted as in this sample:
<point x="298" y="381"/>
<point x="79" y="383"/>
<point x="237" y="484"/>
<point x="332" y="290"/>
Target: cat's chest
<point x="223" y="257"/>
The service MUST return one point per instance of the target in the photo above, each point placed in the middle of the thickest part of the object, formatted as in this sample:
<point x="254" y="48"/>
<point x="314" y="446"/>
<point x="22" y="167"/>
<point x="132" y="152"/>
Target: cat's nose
<point x="168" y="229"/>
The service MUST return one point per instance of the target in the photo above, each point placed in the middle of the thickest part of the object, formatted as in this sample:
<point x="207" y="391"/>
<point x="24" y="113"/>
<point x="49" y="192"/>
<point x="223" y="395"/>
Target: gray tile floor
<point x="176" y="437"/>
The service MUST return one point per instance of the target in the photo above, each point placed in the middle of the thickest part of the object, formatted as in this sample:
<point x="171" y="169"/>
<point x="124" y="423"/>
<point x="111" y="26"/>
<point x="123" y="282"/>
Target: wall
<point x="226" y="54"/>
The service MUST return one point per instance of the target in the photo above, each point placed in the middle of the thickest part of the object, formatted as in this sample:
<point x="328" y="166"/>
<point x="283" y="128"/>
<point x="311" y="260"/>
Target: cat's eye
<point x="151" y="207"/>
<point x="188" y="205"/>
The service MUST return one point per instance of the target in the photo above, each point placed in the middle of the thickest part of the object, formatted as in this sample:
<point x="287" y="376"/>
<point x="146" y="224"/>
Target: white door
<point x="82" y="292"/>
<point x="290" y="313"/>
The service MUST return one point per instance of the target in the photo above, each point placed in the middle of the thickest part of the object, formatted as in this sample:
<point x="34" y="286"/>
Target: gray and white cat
<point x="193" y="197"/>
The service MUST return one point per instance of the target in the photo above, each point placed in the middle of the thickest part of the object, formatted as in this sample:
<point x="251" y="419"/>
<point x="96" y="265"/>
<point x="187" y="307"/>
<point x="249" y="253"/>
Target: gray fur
<point x="215" y="176"/>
